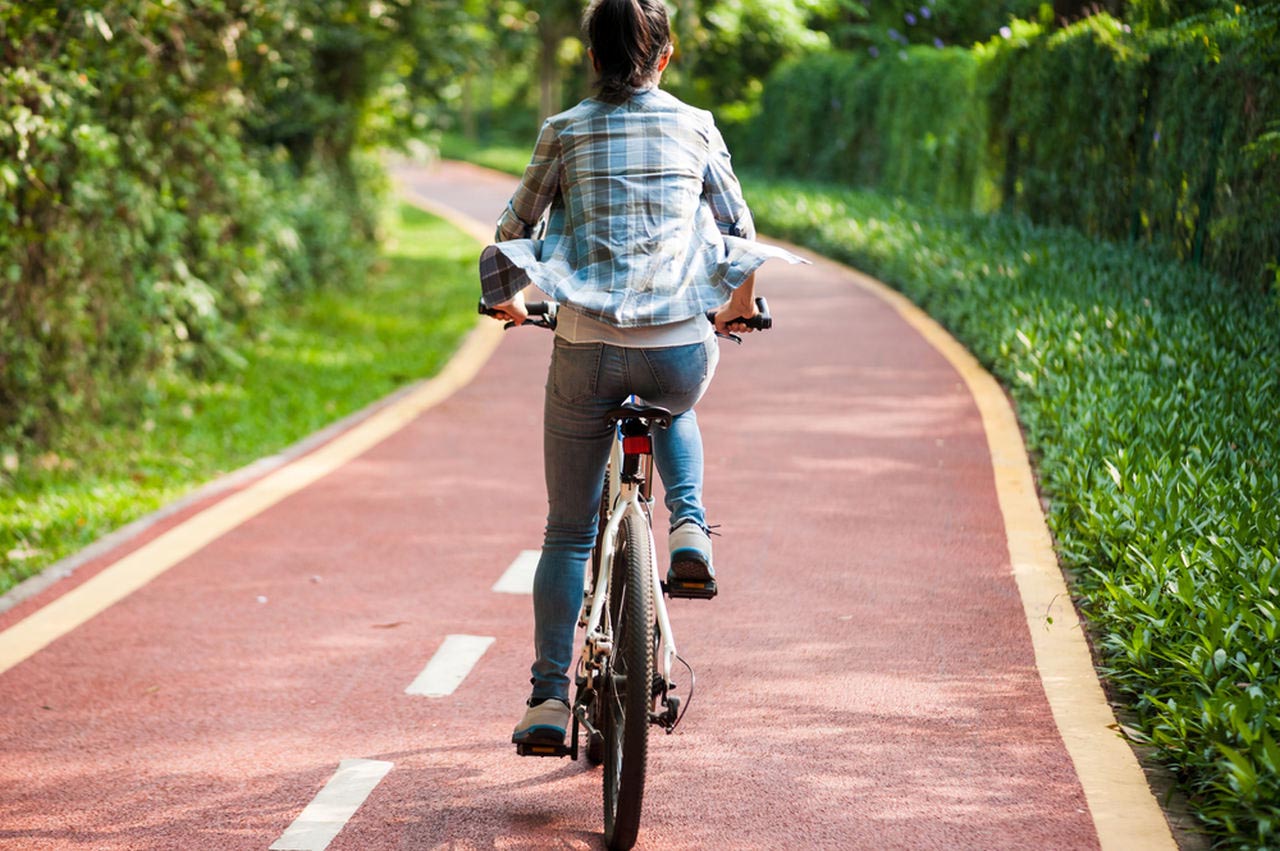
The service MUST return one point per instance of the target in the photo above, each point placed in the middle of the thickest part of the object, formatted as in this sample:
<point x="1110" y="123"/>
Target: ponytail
<point x="628" y="38"/>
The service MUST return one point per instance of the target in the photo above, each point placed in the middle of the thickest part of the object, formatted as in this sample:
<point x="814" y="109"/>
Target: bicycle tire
<point x="595" y="741"/>
<point x="627" y="689"/>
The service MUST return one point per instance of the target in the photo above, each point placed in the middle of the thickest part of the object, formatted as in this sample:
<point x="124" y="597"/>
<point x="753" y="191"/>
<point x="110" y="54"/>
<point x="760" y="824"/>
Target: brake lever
<point x="541" y="323"/>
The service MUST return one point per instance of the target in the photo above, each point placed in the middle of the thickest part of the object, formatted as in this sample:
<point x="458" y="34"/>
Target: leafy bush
<point x="140" y="230"/>
<point x="1145" y="389"/>
<point x="1165" y="136"/>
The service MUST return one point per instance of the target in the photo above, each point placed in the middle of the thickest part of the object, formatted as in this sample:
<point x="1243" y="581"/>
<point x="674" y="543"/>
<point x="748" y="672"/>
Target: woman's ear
<point x="595" y="63"/>
<point x="666" y="57"/>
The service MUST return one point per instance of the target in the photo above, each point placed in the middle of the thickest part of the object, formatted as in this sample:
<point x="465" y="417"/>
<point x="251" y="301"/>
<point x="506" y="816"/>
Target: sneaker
<point x="691" y="569"/>
<point x="544" y="723"/>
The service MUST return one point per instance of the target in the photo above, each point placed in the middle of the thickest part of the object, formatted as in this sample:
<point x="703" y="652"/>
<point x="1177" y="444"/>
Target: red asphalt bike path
<point x="865" y="678"/>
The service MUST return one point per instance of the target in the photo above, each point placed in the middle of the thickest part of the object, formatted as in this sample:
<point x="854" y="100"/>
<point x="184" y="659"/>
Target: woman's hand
<point x="742" y="305"/>
<point x="513" y="311"/>
<point x="733" y="311"/>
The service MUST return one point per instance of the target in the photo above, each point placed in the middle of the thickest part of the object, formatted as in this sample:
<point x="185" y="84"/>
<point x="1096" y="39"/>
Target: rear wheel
<point x="595" y="740"/>
<point x="626" y="695"/>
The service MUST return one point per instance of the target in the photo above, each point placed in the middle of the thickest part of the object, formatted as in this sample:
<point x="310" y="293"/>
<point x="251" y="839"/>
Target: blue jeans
<point x="585" y="382"/>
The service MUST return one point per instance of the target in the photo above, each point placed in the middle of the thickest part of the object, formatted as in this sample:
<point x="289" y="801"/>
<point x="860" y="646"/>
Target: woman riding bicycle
<point x="647" y="230"/>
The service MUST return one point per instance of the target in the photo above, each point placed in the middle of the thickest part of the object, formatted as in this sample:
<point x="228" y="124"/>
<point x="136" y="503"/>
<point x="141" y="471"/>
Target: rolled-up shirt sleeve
<point x="538" y="188"/>
<point x="723" y="192"/>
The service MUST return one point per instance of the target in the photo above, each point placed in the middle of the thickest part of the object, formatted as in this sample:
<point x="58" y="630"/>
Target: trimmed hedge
<point x="915" y="128"/>
<point x="1147" y="391"/>
<point x="1165" y="136"/>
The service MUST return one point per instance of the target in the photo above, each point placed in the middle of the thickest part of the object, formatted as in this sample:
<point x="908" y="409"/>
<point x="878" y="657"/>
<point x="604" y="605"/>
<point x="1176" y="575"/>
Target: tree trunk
<point x="549" y="71"/>
<point x="469" y="105"/>
<point x="686" y="25"/>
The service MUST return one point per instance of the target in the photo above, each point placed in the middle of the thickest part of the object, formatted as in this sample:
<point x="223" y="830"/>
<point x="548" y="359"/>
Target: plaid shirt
<point x="646" y="223"/>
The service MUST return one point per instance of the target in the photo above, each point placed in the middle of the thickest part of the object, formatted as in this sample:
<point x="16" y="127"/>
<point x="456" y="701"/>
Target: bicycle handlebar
<point x="543" y="315"/>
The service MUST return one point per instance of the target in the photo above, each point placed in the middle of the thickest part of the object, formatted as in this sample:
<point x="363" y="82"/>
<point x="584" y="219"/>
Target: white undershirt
<point x="574" y="327"/>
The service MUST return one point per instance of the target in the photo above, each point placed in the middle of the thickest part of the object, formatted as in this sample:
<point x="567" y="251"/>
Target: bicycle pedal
<point x="690" y="589"/>
<point x="536" y="749"/>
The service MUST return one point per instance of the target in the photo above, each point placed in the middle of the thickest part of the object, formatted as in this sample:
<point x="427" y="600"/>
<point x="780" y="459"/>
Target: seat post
<point x="646" y="483"/>
<point x="636" y="423"/>
<point x="636" y="446"/>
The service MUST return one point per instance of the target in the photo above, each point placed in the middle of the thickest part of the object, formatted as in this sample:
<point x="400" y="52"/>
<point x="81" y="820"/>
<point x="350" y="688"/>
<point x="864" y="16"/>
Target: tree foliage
<point x="727" y="47"/>
<point x="534" y="61"/>
<point x="890" y="26"/>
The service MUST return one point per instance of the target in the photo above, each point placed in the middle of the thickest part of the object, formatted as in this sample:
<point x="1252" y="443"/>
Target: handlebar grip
<point x="542" y="314"/>
<point x="762" y="321"/>
<point x="535" y="308"/>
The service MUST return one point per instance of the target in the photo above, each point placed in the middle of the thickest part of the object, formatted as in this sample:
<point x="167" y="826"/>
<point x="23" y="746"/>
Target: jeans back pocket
<point x="575" y="370"/>
<point x="679" y="371"/>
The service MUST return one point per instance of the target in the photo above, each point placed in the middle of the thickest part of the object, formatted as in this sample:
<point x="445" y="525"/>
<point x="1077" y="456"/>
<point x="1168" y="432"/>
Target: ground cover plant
<point x="309" y="363"/>
<point x="1148" y="392"/>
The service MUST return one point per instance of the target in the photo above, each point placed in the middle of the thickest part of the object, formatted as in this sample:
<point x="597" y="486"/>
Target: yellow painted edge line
<point x="1125" y="811"/>
<point x="46" y="625"/>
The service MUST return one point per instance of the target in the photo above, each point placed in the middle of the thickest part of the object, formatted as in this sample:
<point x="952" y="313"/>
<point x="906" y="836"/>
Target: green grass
<point x="310" y="364"/>
<point x="510" y="158"/>
<point x="1149" y="393"/>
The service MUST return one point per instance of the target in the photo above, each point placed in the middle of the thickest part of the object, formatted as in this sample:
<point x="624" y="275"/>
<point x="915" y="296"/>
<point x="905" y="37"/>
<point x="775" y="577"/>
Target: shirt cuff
<point x="500" y="279"/>
<point x="511" y="226"/>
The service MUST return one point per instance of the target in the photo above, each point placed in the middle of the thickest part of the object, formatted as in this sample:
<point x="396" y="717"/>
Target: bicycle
<point x="624" y="672"/>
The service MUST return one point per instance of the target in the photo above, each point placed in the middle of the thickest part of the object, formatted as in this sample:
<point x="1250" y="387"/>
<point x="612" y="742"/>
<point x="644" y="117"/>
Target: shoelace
<point x="710" y="530"/>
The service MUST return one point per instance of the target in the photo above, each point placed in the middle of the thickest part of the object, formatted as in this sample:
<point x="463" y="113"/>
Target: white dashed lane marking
<point x="519" y="576"/>
<point x="326" y="815"/>
<point x="450" y="666"/>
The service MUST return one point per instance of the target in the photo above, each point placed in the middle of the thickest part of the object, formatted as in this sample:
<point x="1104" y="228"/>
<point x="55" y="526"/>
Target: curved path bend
<point x="868" y="678"/>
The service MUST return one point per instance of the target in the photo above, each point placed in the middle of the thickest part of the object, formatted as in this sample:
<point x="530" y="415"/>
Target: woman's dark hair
<point x="628" y="38"/>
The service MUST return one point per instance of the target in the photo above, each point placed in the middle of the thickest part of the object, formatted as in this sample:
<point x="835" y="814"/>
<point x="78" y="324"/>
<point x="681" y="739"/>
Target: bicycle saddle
<point x="630" y="410"/>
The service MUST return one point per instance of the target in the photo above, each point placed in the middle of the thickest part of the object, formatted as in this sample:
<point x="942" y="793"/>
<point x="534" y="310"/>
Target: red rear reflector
<point x="637" y="445"/>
